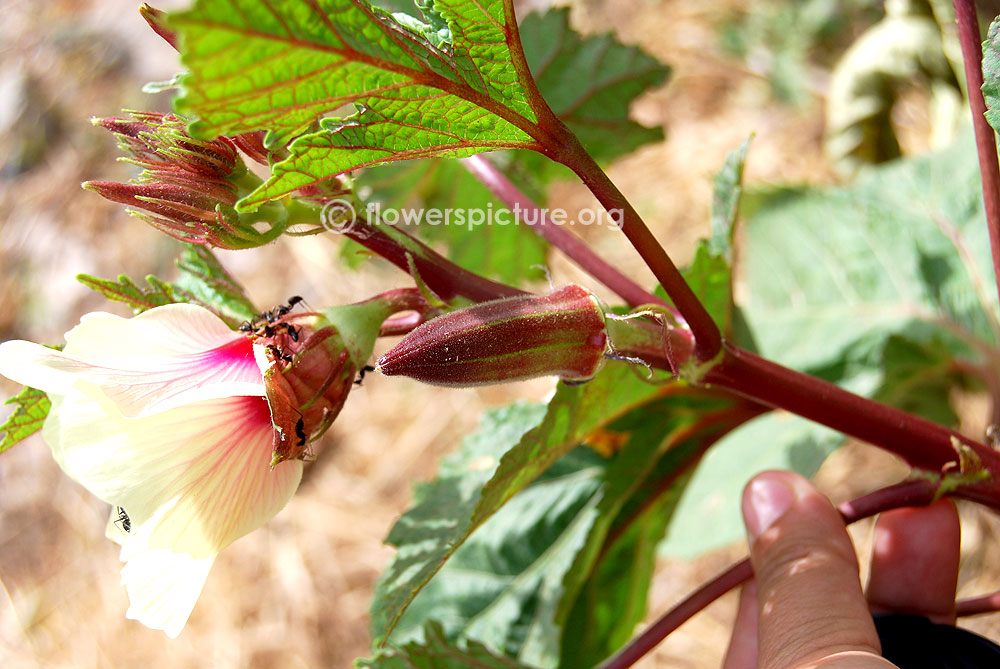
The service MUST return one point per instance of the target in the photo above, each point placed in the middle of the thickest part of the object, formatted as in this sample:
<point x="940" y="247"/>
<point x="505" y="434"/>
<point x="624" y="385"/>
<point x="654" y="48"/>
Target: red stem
<point x="972" y="55"/>
<point x="975" y="606"/>
<point x="708" y="339"/>
<point x="578" y="251"/>
<point x="908" y="493"/>
<point x="920" y="442"/>
<point x="441" y="275"/>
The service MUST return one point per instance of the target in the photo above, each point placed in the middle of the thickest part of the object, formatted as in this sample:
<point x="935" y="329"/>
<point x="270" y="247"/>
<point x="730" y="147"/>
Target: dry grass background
<point x="296" y="593"/>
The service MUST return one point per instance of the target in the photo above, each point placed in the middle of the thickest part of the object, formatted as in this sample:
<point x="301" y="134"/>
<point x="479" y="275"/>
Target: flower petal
<point x="160" y="359"/>
<point x="163" y="587"/>
<point x="192" y="479"/>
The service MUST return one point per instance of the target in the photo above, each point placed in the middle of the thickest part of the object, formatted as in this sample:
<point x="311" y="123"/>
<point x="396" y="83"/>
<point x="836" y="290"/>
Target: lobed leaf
<point x="903" y="250"/>
<point x="512" y="584"/>
<point x="204" y="279"/>
<point x="126" y="290"/>
<point x="591" y="82"/>
<point x="524" y="442"/>
<point x="437" y="652"/>
<point x="31" y="406"/>
<point x="283" y="65"/>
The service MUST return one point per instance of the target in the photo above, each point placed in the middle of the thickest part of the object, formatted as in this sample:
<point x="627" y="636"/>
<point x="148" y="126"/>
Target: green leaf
<point x="436" y="652"/>
<point x="708" y="515"/>
<point x="512" y="583"/>
<point x="904" y="250"/>
<point x="505" y="252"/>
<point x="125" y="290"/>
<point x="918" y="378"/>
<point x="418" y="90"/>
<point x="711" y="280"/>
<point x="991" y="74"/>
<point x="590" y="82"/>
<point x="726" y="191"/>
<point x="31" y="408"/>
<point x="204" y="279"/>
<point x="607" y="588"/>
<point x="524" y="445"/>
<point x="503" y="584"/>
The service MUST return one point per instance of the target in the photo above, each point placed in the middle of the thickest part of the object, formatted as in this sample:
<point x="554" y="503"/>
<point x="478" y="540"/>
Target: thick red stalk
<point x="577" y="251"/>
<point x="972" y="56"/>
<point x="920" y="442"/>
<point x="908" y="493"/>
<point x="708" y="339"/>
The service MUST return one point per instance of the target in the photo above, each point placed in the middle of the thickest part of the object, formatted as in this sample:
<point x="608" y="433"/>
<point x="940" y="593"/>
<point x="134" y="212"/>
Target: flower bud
<point x="189" y="187"/>
<point x="308" y="374"/>
<point x="310" y="361"/>
<point x="562" y="333"/>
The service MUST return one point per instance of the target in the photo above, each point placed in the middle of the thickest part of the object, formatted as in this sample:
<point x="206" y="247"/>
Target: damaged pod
<point x="562" y="334"/>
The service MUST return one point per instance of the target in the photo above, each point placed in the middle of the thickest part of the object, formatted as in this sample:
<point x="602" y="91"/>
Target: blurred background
<point x="296" y="593"/>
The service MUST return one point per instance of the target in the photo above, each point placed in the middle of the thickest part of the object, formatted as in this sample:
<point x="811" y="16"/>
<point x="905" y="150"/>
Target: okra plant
<point x="861" y="307"/>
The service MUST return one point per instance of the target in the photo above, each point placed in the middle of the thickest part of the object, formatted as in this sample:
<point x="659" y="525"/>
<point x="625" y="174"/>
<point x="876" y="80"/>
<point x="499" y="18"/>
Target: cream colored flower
<point x="165" y="416"/>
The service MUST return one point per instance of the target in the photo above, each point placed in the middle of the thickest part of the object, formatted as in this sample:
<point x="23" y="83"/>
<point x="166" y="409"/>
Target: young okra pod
<point x="562" y="333"/>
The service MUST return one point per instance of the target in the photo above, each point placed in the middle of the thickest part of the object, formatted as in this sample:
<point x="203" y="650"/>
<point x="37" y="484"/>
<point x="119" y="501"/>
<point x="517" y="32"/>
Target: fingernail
<point x="766" y="499"/>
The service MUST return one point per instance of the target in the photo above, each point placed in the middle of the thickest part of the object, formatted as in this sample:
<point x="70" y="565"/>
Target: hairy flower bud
<point x="188" y="187"/>
<point x="562" y="333"/>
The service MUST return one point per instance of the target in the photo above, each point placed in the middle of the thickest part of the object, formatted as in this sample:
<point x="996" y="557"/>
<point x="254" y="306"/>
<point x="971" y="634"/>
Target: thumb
<point x="811" y="610"/>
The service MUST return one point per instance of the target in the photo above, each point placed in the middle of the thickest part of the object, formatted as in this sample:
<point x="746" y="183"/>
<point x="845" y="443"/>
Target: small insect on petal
<point x="562" y="334"/>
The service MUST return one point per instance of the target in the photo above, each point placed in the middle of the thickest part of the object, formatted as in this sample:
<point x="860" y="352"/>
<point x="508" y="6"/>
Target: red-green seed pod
<point x="562" y="333"/>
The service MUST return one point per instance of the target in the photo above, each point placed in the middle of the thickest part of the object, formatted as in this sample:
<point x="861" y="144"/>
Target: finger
<point x="915" y="557"/>
<point x="742" y="650"/>
<point x="810" y="604"/>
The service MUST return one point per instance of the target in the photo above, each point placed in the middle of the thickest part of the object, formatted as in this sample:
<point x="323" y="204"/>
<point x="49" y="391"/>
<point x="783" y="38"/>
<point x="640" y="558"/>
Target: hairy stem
<point x="528" y="212"/>
<point x="972" y="55"/>
<point x="907" y="493"/>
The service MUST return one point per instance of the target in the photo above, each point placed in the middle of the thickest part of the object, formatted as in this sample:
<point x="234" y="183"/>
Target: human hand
<point x="805" y="606"/>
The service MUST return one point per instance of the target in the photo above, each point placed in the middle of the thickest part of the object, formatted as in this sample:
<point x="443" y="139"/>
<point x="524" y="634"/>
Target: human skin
<point x="806" y="607"/>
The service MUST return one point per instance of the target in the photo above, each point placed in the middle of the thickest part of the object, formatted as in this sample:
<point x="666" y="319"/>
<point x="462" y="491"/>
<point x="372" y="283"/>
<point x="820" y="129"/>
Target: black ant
<point x="126" y="523"/>
<point x="361" y="374"/>
<point x="292" y="332"/>
<point x="300" y="432"/>
<point x="278" y="353"/>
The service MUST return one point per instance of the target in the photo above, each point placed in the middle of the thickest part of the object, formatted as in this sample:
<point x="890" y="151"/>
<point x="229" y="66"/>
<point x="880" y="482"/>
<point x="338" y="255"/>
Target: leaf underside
<point x="284" y="65"/>
<point x="31" y="408"/>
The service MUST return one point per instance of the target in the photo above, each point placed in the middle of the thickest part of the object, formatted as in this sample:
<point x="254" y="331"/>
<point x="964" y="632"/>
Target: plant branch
<point x="528" y="212"/>
<point x="908" y="493"/>
<point x="972" y="55"/>
<point x="441" y="275"/>
<point x="975" y="606"/>
<point x="708" y="339"/>
<point x="920" y="442"/>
